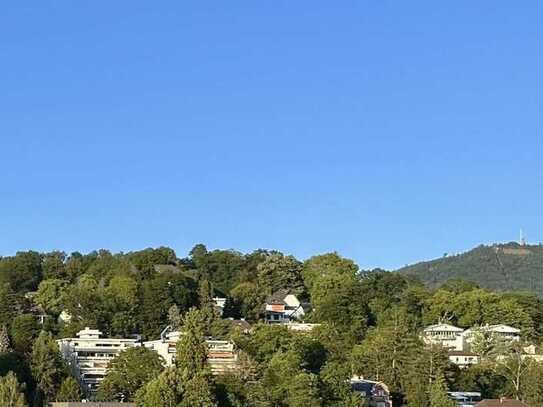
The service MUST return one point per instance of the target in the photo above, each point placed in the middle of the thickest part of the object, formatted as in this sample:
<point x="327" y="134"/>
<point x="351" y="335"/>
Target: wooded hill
<point x="507" y="267"/>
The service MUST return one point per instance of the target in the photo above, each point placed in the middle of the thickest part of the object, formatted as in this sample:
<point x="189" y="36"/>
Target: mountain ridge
<point x="501" y="266"/>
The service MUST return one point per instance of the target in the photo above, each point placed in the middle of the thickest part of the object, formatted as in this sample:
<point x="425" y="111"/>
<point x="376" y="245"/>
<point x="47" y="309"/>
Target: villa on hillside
<point x="449" y="336"/>
<point x="463" y="358"/>
<point x="457" y="341"/>
<point x="499" y="331"/>
<point x="283" y="306"/>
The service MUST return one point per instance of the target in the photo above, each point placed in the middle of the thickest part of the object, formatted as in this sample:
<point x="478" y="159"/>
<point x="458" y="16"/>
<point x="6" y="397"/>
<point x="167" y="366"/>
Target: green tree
<point x="325" y="264"/>
<point x="223" y="268"/>
<point x="174" y="317"/>
<point x="11" y="392"/>
<point x="193" y="372"/>
<point x="338" y="302"/>
<point x="47" y="367"/>
<point x="207" y="305"/>
<point x="278" y="271"/>
<point x="8" y="306"/>
<point x="248" y="300"/>
<point x="159" y="392"/>
<point x="303" y="391"/>
<point x="532" y="386"/>
<point x="276" y="378"/>
<point x="53" y="266"/>
<point x="198" y="392"/>
<point x="17" y="363"/>
<point x="438" y="394"/>
<point x="122" y="291"/>
<point x="24" y="329"/>
<point x="157" y="295"/>
<point x="22" y="272"/>
<point x="385" y="353"/>
<point x="515" y="369"/>
<point x="458" y="285"/>
<point x="126" y="375"/>
<point x="69" y="390"/>
<point x="84" y="301"/>
<point x="336" y="387"/>
<point x="50" y="295"/>
<point x="191" y="354"/>
<point x="189" y="383"/>
<point x="425" y="366"/>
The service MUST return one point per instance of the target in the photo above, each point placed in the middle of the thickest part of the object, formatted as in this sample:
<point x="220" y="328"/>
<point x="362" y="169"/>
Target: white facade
<point x="89" y="355"/>
<point x="499" y="331"/>
<point x="222" y="355"/>
<point x="301" y="327"/>
<point x="449" y="336"/>
<point x="64" y="317"/>
<point x="219" y="304"/>
<point x="463" y="359"/>
<point x="505" y="331"/>
<point x="283" y="307"/>
<point x="457" y="341"/>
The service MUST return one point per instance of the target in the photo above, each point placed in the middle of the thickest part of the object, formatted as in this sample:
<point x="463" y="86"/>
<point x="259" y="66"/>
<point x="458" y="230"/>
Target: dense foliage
<point x="498" y="267"/>
<point x="369" y="325"/>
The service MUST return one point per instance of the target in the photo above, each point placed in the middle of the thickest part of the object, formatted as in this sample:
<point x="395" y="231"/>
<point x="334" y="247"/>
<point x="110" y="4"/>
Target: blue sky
<point x="390" y="131"/>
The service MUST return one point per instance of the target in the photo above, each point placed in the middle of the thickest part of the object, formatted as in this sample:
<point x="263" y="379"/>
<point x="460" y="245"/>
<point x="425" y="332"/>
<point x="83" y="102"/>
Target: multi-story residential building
<point x="88" y="355"/>
<point x="283" y="306"/>
<point x="449" y="336"/>
<point x="222" y="355"/>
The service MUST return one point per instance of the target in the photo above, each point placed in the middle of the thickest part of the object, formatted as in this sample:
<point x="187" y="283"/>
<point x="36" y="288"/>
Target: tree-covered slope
<point x="500" y="267"/>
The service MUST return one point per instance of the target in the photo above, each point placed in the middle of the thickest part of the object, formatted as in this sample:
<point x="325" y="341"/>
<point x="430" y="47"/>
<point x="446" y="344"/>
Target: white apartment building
<point x="499" y="331"/>
<point x="221" y="356"/>
<point x="449" y="336"/>
<point x="457" y="341"/>
<point x="88" y="355"/>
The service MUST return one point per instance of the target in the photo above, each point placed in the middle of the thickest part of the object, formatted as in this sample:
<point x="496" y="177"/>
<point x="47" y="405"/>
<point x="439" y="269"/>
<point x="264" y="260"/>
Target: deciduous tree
<point x="128" y="372"/>
<point x="11" y="392"/>
<point x="69" y="390"/>
<point x="47" y="367"/>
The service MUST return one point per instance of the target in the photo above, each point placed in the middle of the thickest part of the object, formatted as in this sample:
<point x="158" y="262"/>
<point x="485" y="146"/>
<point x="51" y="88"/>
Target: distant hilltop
<point x="507" y="267"/>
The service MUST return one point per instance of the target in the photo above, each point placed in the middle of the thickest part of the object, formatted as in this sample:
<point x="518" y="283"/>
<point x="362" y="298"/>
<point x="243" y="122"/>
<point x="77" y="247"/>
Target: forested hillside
<point x="368" y="324"/>
<point x="500" y="267"/>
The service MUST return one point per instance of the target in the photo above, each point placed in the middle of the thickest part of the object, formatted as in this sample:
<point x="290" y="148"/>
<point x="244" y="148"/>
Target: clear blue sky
<point x="390" y="131"/>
